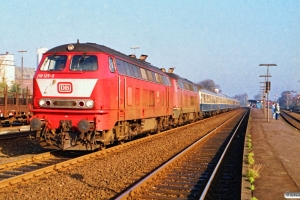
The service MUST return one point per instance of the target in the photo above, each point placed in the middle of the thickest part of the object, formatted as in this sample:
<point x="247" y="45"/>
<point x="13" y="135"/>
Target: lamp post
<point x="266" y="91"/>
<point x="267" y="65"/>
<point x="22" y="51"/>
<point x="134" y="48"/>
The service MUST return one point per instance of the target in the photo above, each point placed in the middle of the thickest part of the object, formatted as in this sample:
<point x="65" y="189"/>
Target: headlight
<point x="42" y="102"/>
<point x="89" y="104"/>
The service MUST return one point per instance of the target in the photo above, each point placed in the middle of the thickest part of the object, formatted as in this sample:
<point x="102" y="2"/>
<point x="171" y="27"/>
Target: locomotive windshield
<point x="84" y="63"/>
<point x="78" y="63"/>
<point x="54" y="62"/>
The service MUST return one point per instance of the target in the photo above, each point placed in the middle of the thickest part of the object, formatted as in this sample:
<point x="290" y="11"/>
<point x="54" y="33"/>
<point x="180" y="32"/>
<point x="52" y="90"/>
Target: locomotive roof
<point x="175" y="76"/>
<point x="93" y="47"/>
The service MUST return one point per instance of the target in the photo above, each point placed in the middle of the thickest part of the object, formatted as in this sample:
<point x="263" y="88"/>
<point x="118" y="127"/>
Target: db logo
<point x="64" y="87"/>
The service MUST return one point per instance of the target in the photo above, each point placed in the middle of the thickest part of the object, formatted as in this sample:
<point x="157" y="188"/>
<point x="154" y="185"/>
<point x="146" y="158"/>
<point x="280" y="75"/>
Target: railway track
<point x="190" y="173"/>
<point x="291" y="118"/>
<point x="35" y="166"/>
<point x="227" y="181"/>
<point x="18" y="171"/>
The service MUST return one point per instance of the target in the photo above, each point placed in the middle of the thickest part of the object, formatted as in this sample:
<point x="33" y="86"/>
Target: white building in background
<point x="13" y="74"/>
<point x="40" y="52"/>
<point x="7" y="68"/>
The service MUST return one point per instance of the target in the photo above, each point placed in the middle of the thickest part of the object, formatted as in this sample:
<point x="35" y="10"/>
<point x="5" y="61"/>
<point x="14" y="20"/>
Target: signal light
<point x="268" y="86"/>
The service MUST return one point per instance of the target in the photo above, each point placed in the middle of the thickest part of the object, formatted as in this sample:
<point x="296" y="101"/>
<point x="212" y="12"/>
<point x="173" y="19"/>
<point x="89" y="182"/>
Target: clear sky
<point x="203" y="39"/>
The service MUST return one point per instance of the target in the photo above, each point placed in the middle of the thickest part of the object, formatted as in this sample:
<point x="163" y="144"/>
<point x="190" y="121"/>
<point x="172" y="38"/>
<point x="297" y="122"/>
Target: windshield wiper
<point x="82" y="58"/>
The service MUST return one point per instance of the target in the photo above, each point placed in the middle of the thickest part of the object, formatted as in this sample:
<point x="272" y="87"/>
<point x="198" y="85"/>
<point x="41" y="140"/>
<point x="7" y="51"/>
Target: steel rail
<point x="220" y="161"/>
<point x="291" y="119"/>
<point x="152" y="176"/>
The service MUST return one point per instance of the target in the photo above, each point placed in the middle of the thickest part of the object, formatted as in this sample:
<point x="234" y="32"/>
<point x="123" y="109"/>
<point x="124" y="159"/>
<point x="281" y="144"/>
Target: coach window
<point x="158" y="78"/>
<point x="166" y="80"/>
<point x="136" y="71"/>
<point x="127" y="69"/>
<point x="120" y="66"/>
<point x="154" y="77"/>
<point x="195" y="88"/>
<point x="150" y="78"/>
<point x="186" y="86"/>
<point x="111" y="65"/>
<point x="143" y="72"/>
<point x="180" y="84"/>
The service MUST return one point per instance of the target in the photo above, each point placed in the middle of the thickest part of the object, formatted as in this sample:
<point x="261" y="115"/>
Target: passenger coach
<point x="212" y="103"/>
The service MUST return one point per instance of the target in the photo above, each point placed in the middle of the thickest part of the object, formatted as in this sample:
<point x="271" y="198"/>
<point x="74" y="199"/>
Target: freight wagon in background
<point x="14" y="105"/>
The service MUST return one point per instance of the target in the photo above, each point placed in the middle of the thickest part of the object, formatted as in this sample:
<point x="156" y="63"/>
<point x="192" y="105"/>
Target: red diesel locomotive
<point x="87" y="96"/>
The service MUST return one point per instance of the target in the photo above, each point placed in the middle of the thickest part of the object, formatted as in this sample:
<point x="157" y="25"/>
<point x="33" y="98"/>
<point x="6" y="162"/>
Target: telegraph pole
<point x="22" y="72"/>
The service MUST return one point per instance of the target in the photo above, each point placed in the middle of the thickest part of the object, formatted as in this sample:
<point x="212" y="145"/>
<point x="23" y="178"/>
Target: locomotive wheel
<point x="102" y="147"/>
<point x="180" y="121"/>
<point x="165" y="124"/>
<point x="194" y="117"/>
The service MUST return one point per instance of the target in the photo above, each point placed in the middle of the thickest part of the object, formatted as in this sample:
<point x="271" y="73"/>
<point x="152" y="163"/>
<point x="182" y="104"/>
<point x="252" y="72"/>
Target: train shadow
<point x="18" y="147"/>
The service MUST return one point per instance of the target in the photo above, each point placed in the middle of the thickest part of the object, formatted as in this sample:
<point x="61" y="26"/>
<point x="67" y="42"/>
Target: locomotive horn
<point x="163" y="69"/>
<point x="83" y="125"/>
<point x="171" y="70"/>
<point x="143" y="57"/>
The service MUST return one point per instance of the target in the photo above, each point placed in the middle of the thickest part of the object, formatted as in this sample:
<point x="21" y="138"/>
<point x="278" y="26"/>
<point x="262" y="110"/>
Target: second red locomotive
<point x="87" y="96"/>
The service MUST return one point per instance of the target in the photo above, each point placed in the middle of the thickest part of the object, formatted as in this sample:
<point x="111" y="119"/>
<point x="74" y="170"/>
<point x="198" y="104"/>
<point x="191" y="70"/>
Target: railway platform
<point x="276" y="146"/>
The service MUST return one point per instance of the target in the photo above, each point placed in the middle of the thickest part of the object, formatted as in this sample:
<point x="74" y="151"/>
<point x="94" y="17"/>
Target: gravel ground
<point x="14" y="149"/>
<point x="105" y="177"/>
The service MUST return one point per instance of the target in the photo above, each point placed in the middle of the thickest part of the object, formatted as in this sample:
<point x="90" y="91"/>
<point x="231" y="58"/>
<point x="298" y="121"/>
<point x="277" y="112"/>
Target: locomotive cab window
<point x="111" y="65"/>
<point x="54" y="63"/>
<point x="84" y="63"/>
<point x="120" y="65"/>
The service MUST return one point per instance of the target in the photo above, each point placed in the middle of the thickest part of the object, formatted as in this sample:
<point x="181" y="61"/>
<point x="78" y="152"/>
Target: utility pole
<point x="22" y="72"/>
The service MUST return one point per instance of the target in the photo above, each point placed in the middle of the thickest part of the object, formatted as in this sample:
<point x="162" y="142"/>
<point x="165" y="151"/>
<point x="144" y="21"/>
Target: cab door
<point x="121" y="99"/>
<point x="167" y="99"/>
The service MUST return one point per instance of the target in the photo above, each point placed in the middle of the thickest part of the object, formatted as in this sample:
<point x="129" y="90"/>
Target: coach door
<point x="121" y="91"/>
<point x="167" y="98"/>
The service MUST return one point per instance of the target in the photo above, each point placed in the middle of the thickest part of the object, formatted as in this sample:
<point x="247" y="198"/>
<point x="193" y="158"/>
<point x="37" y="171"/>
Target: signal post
<point x="268" y="86"/>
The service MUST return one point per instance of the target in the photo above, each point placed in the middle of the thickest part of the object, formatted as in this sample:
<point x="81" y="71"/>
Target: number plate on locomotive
<point x="64" y="103"/>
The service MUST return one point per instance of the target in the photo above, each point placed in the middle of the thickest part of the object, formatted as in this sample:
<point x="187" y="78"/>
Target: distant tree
<point x="242" y="98"/>
<point x="209" y="84"/>
<point x="288" y="99"/>
<point x="15" y="88"/>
